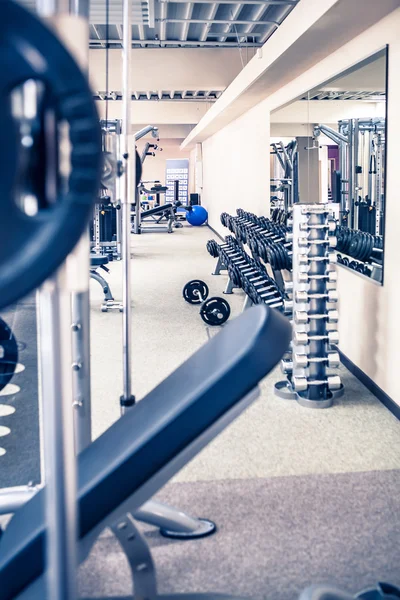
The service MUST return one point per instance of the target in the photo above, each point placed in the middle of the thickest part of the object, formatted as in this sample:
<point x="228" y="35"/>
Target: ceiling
<point x="365" y="81"/>
<point x="165" y="95"/>
<point x="179" y="23"/>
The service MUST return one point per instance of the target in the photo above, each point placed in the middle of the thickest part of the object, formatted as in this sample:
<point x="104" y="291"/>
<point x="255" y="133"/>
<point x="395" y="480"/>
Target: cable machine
<point x="360" y="171"/>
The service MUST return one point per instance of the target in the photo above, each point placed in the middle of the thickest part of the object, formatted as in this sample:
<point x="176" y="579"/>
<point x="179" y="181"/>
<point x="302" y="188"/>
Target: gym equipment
<point x="361" y="190"/>
<point x="284" y="181"/>
<point x="158" y="214"/>
<point x="383" y="591"/>
<point x="214" y="311"/>
<point x="8" y="354"/>
<point x="311" y="292"/>
<point x="141" y="451"/>
<point x="99" y="262"/>
<point x="34" y="246"/>
<point x="197" y="215"/>
<point x="245" y="273"/>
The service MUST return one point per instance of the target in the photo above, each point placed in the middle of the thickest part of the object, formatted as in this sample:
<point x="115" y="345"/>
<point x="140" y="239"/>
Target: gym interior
<point x="199" y="300"/>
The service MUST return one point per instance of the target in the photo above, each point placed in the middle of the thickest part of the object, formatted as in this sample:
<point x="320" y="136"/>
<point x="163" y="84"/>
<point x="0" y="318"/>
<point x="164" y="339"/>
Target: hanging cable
<point x="107" y="54"/>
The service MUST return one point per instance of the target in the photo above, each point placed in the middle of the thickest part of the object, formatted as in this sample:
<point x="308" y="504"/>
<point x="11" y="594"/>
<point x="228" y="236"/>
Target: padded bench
<point x="139" y="453"/>
<point x="157" y="210"/>
<point x="98" y="260"/>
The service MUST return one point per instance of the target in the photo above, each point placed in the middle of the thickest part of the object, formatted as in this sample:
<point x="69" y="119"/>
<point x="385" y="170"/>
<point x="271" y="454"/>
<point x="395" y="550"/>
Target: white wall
<point x="369" y="314"/>
<point x="236" y="168"/>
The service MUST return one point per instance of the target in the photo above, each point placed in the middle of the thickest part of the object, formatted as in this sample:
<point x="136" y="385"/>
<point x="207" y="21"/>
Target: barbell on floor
<point x="214" y="311"/>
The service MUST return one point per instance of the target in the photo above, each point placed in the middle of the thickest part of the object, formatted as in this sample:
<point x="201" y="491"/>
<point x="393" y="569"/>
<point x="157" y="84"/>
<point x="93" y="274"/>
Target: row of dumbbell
<point x="248" y="274"/>
<point x="242" y="226"/>
<point x="278" y="215"/>
<point x="266" y="241"/>
<point x="364" y="268"/>
<point x="359" y="244"/>
<point x="303" y="361"/>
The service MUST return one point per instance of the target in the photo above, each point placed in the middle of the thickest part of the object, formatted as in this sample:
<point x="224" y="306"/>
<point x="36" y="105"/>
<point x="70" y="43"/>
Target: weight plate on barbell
<point x="215" y="311"/>
<point x="33" y="246"/>
<point x="195" y="291"/>
<point x="8" y="354"/>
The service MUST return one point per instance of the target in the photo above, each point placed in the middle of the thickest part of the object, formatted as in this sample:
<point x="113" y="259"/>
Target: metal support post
<point x="128" y="186"/>
<point x="60" y="463"/>
<point x="81" y="369"/>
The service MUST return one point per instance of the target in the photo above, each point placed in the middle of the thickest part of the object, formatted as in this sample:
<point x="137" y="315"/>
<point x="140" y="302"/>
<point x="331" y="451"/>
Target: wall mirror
<point x="329" y="145"/>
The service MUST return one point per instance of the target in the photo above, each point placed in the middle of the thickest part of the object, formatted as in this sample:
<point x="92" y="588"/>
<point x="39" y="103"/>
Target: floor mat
<point x="20" y="455"/>
<point x="275" y="537"/>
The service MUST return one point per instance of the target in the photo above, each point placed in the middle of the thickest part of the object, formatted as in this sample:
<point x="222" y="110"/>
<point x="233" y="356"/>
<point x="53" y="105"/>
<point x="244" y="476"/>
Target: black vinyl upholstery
<point x="96" y="260"/>
<point x="157" y="210"/>
<point x="151" y="434"/>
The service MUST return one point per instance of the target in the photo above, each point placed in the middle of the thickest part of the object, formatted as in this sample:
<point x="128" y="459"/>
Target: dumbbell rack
<point x="312" y="355"/>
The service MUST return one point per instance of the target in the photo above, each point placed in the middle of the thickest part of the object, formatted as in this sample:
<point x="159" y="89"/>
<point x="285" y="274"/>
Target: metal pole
<point x="58" y="430"/>
<point x="54" y="312"/>
<point x="128" y="188"/>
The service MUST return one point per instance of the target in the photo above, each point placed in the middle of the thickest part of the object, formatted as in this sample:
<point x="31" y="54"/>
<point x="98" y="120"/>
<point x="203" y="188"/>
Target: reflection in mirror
<point x="329" y="146"/>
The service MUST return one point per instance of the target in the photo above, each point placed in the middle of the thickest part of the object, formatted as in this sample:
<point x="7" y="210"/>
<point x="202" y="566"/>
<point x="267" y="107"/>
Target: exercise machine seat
<point x="97" y="260"/>
<point x="150" y="435"/>
<point x="156" y="210"/>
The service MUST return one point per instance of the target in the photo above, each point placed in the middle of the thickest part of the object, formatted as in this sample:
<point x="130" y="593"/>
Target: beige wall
<point x="369" y="314"/>
<point x="236" y="168"/>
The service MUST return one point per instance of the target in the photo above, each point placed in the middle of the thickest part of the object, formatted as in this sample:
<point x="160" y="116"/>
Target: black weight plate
<point x="355" y="248"/>
<point x="32" y="247"/>
<point x="212" y="248"/>
<point x="234" y="274"/>
<point x="8" y="354"/>
<point x="368" y="246"/>
<point x="195" y="291"/>
<point x="215" y="311"/>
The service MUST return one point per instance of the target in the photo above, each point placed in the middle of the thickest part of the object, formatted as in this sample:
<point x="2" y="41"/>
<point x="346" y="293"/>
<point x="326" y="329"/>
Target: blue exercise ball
<point x="197" y="216"/>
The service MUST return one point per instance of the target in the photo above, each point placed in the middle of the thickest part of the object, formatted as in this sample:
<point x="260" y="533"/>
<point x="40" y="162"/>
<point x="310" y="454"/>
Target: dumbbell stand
<point x="219" y="267"/>
<point x="318" y="394"/>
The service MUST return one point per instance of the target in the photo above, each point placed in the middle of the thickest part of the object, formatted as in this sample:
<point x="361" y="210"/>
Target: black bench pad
<point x="96" y="260"/>
<point x="157" y="210"/>
<point x="151" y="434"/>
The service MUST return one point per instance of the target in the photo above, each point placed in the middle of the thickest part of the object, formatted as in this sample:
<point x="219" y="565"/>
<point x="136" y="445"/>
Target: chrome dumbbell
<point x="301" y="316"/>
<point x="304" y="360"/>
<point x="303" y="337"/>
<point x="331" y="276"/>
<point x="304" y="259"/>
<point x="288" y="306"/>
<point x="286" y="365"/>
<point x="331" y="241"/>
<point x="329" y="226"/>
<point x="288" y="285"/>
<point x="301" y="384"/>
<point x="329" y="296"/>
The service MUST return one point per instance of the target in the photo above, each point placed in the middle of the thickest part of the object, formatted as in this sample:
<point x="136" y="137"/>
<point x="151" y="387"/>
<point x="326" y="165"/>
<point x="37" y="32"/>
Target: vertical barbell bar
<point x="128" y="186"/>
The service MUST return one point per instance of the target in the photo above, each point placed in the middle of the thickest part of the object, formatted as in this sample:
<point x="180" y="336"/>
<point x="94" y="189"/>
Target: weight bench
<point x="157" y="215"/>
<point x="139" y="453"/>
<point x="98" y="261"/>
